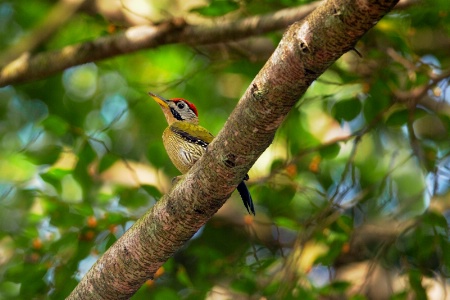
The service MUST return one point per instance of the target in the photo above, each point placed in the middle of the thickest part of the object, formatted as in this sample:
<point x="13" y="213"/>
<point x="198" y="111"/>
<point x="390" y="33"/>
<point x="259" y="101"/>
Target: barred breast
<point x="182" y="151"/>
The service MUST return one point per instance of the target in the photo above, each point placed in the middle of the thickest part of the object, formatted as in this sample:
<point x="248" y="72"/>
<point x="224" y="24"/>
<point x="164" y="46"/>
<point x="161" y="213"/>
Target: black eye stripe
<point x="176" y="114"/>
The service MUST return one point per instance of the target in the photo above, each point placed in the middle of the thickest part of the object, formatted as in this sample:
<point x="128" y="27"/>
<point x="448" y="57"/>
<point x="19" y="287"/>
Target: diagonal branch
<point x="307" y="49"/>
<point x="31" y="67"/>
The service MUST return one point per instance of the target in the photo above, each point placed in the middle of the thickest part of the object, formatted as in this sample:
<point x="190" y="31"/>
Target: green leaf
<point x="415" y="279"/>
<point x="55" y="125"/>
<point x="445" y="246"/>
<point x="32" y="277"/>
<point x="134" y="198"/>
<point x="217" y="8"/>
<point x="346" y="110"/>
<point x="83" y="209"/>
<point x="431" y="127"/>
<point x="430" y="155"/>
<point x="151" y="190"/>
<point x="9" y="289"/>
<point x="271" y="288"/>
<point x="86" y="156"/>
<point x="56" y="173"/>
<point x="336" y="287"/>
<point x="183" y="277"/>
<point x="115" y="218"/>
<point x="344" y="223"/>
<point x="281" y="191"/>
<point x="62" y="216"/>
<point x="378" y="100"/>
<point x="54" y="177"/>
<point x="107" y="161"/>
<point x="245" y="285"/>
<point x="46" y="155"/>
<point x="277" y="164"/>
<point x="330" y="151"/>
<point x="287" y="223"/>
<point x="166" y="294"/>
<point x="330" y="256"/>
<point x="16" y="167"/>
<point x="400" y="117"/>
<point x="54" y="181"/>
<point x="435" y="219"/>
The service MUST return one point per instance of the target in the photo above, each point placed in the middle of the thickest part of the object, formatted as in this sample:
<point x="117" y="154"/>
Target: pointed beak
<point x="161" y="101"/>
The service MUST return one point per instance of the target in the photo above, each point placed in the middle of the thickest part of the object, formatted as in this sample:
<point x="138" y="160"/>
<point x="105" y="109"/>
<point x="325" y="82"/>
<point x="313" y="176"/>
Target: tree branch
<point x="31" y="67"/>
<point x="307" y="49"/>
<point x="44" y="64"/>
<point x="58" y="16"/>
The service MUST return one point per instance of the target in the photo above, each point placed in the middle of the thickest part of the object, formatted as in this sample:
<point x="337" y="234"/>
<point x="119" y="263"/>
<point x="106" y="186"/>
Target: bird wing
<point x="192" y="133"/>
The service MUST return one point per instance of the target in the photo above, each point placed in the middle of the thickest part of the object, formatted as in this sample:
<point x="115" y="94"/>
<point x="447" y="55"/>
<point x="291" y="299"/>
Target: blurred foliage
<point x="81" y="159"/>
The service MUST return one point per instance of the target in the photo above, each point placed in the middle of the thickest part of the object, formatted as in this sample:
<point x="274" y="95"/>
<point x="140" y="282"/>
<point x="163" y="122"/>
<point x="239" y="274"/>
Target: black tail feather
<point x="246" y="197"/>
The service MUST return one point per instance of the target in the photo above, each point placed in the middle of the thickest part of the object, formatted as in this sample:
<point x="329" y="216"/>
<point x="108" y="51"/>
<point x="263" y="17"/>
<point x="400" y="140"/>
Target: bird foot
<point x="176" y="179"/>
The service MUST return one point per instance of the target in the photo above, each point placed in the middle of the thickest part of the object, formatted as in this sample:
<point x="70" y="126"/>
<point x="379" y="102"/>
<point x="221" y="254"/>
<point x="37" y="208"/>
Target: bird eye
<point x="180" y="105"/>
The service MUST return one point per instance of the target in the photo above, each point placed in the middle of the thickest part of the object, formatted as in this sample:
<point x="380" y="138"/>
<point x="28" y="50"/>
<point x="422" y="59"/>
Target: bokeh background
<point x="352" y="197"/>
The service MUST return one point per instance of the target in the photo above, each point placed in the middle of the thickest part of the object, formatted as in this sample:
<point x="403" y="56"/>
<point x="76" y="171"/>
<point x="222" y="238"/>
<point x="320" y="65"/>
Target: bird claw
<point x="176" y="179"/>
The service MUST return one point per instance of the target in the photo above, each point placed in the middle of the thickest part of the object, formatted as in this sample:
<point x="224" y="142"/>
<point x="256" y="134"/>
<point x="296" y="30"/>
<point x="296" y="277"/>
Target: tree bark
<point x="307" y="49"/>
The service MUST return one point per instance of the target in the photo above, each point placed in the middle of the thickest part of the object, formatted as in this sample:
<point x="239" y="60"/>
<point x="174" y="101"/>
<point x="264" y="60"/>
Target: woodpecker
<point x="186" y="141"/>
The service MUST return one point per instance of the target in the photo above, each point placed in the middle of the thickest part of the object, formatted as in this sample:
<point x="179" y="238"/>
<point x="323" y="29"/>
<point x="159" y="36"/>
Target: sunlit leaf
<point x="16" y="167"/>
<point x="55" y="125"/>
<point x="54" y="177"/>
<point x="287" y="223"/>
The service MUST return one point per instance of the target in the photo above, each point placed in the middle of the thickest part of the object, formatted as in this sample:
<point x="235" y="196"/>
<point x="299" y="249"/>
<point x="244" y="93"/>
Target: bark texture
<point x="307" y="49"/>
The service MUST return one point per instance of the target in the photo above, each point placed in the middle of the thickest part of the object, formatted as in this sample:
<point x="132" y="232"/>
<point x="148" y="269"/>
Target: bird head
<point x="177" y="109"/>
